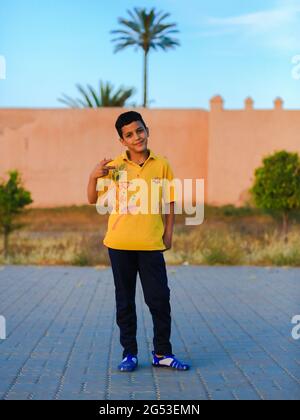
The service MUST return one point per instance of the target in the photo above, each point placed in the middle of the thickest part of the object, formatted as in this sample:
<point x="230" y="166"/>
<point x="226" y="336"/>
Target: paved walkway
<point x="233" y="324"/>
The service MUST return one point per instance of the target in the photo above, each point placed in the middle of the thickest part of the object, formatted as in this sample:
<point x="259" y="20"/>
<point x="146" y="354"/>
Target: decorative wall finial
<point x="278" y="103"/>
<point x="249" y="103"/>
<point x="216" y="103"/>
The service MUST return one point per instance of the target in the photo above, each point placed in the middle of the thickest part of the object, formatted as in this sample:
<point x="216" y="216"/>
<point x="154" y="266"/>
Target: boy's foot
<point x="128" y="364"/>
<point x="169" y="360"/>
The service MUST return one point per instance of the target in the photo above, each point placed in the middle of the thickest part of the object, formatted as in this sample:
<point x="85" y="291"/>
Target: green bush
<point x="276" y="187"/>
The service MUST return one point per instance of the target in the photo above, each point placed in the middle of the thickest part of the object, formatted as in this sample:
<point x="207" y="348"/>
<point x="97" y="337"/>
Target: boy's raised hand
<point x="101" y="169"/>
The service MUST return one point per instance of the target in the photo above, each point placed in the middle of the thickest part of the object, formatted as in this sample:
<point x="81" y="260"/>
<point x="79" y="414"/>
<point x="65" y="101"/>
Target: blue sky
<point x="230" y="47"/>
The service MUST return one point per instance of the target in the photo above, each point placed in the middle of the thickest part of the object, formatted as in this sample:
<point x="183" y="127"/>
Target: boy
<point x="136" y="243"/>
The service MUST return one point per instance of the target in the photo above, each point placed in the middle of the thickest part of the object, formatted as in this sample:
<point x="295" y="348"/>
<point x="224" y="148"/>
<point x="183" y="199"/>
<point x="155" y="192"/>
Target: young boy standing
<point x="136" y="242"/>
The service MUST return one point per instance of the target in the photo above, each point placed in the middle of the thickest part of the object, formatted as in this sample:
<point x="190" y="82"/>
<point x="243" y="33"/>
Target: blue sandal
<point x="128" y="364"/>
<point x="170" y="361"/>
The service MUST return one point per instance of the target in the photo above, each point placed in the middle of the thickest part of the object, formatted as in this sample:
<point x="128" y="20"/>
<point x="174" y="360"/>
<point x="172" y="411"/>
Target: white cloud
<point x="277" y="28"/>
<point x="258" y="20"/>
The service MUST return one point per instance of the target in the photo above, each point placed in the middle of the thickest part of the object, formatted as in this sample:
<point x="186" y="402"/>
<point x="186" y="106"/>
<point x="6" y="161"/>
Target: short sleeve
<point x="169" y="187"/>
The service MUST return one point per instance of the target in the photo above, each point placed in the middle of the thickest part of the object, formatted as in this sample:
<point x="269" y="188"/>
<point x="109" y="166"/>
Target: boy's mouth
<point x="140" y="143"/>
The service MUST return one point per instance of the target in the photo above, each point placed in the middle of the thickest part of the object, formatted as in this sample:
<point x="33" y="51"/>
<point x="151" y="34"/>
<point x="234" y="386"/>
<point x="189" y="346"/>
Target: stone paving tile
<point x="232" y="324"/>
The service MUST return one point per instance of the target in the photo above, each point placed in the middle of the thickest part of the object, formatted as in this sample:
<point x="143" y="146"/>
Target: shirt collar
<point x="126" y="157"/>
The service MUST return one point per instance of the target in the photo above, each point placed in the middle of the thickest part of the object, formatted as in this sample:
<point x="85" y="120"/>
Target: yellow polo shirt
<point x="138" y="229"/>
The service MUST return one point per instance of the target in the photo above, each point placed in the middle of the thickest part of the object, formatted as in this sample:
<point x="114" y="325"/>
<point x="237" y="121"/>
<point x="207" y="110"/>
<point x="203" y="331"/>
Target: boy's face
<point x="135" y="137"/>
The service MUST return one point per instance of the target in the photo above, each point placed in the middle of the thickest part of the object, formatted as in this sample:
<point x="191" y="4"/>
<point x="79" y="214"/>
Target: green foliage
<point x="290" y="257"/>
<point x="13" y="199"/>
<point x="105" y="97"/>
<point x="116" y="172"/>
<point x="219" y="256"/>
<point x="231" y="210"/>
<point x="82" y="259"/>
<point x="277" y="183"/>
<point x="277" y="186"/>
<point x="145" y="31"/>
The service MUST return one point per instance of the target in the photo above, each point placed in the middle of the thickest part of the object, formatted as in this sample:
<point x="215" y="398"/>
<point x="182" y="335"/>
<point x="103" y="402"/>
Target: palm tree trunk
<point x="145" y="79"/>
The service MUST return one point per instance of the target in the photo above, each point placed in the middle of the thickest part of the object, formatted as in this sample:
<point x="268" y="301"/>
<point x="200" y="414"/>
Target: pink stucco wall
<point x="56" y="149"/>
<point x="238" y="141"/>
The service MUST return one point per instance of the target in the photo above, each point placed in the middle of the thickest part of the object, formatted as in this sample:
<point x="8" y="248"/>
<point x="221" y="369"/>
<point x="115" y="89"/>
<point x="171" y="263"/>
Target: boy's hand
<point x="101" y="169"/>
<point x="167" y="239"/>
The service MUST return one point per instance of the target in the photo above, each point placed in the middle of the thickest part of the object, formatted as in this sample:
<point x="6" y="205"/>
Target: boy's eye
<point x="140" y="130"/>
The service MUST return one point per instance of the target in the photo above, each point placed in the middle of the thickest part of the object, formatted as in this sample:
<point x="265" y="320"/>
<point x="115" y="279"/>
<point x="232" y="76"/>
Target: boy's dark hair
<point x="128" y="118"/>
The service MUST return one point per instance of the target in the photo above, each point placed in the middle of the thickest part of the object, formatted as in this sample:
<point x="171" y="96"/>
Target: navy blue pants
<point x="152" y="271"/>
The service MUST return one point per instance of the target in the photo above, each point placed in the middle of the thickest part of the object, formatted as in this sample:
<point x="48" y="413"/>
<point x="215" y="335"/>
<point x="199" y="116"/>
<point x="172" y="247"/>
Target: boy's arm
<point x="92" y="191"/>
<point x="169" y="198"/>
<point x="100" y="171"/>
<point x="169" y="227"/>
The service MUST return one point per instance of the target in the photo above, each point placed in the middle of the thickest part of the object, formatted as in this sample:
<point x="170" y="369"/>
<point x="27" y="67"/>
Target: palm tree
<point x="145" y="31"/>
<point x="105" y="98"/>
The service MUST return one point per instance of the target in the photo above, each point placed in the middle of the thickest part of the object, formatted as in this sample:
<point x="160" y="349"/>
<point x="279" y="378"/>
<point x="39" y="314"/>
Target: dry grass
<point x="229" y="236"/>
<point x="226" y="246"/>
